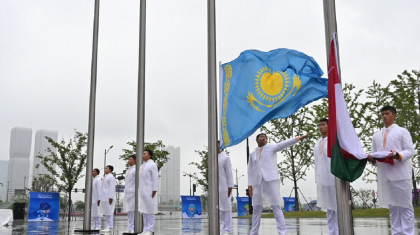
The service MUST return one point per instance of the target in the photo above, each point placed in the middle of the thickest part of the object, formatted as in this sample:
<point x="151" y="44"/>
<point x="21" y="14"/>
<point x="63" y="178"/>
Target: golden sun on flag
<point x="271" y="86"/>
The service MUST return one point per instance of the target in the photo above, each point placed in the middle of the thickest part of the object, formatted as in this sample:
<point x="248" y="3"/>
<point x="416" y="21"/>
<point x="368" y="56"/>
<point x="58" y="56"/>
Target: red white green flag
<point x="348" y="160"/>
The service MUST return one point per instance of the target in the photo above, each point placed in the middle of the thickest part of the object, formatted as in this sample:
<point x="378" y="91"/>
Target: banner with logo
<point x="243" y="206"/>
<point x="289" y="204"/>
<point x="191" y="207"/>
<point x="43" y="206"/>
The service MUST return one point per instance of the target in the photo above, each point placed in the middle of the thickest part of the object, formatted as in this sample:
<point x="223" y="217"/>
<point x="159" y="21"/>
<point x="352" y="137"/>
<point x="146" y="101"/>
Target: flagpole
<point x="345" y="217"/>
<point x="91" y="127"/>
<point x="213" y="176"/>
<point x="138" y="218"/>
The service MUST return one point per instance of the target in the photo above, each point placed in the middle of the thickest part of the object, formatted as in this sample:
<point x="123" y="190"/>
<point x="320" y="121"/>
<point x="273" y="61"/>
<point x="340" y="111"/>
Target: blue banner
<point x="243" y="205"/>
<point x="261" y="86"/>
<point x="191" y="207"/>
<point x="43" y="206"/>
<point x="289" y="204"/>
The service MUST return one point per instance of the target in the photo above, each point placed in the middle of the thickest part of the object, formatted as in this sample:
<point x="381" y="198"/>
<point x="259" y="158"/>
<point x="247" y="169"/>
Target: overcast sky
<point x="45" y="61"/>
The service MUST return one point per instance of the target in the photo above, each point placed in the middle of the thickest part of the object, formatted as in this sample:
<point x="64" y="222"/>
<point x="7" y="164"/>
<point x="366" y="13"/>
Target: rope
<point x="305" y="199"/>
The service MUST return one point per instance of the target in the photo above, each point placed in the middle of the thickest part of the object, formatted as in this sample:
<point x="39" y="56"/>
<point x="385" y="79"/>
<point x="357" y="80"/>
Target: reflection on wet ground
<point x="172" y="225"/>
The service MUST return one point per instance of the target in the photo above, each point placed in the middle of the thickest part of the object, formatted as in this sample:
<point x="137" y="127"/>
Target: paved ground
<point x="169" y="225"/>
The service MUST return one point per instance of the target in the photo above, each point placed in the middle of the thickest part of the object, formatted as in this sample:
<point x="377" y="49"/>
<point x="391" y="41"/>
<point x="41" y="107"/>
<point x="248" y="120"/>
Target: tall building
<point x="40" y="147"/>
<point x="3" y="179"/>
<point x="20" y="148"/>
<point x="170" y="177"/>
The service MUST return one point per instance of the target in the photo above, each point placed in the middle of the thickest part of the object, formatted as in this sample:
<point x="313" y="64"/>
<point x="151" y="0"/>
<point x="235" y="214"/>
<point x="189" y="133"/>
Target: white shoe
<point x="96" y="228"/>
<point x="107" y="230"/>
<point x="129" y="231"/>
<point x="148" y="233"/>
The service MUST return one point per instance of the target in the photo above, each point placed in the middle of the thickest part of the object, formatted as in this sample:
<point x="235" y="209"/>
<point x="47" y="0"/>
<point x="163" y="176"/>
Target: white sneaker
<point x="148" y="233"/>
<point x="129" y="231"/>
<point x="107" y="230"/>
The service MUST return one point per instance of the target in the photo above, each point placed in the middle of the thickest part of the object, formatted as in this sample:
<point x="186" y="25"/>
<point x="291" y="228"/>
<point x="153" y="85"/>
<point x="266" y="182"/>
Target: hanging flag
<point x="348" y="160"/>
<point x="261" y="86"/>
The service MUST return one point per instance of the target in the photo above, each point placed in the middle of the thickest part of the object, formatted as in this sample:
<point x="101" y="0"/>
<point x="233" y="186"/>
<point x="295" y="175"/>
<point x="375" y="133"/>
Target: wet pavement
<point x="172" y="225"/>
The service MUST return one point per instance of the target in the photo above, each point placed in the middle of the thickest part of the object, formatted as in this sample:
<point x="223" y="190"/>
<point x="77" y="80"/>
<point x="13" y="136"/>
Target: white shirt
<point x="263" y="162"/>
<point x="149" y="182"/>
<point x="323" y="173"/>
<point x="96" y="189"/>
<point x="130" y="181"/>
<point x="108" y="187"/>
<point x="398" y="140"/>
<point x="225" y="172"/>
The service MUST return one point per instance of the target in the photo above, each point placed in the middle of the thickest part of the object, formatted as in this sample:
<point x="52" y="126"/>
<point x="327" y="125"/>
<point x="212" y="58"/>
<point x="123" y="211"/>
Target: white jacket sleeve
<point x="155" y="178"/>
<point x="112" y="188"/>
<point x="250" y="170"/>
<point x="408" y="147"/>
<point x="229" y="174"/>
<point x="284" y="144"/>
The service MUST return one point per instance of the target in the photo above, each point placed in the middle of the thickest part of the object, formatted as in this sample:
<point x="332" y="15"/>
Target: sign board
<point x="119" y="188"/>
<point x="243" y="206"/>
<point x="289" y="204"/>
<point x="43" y="206"/>
<point x="191" y="207"/>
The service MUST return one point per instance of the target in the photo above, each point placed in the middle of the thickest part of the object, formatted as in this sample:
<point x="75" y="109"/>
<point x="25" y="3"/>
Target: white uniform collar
<point x="390" y="127"/>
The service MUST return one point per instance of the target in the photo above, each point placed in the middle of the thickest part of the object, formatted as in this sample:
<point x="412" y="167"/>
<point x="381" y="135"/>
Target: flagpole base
<point x="86" y="231"/>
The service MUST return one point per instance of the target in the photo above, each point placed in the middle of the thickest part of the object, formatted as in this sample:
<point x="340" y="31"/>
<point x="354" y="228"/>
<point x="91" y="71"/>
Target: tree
<point x="203" y="176"/>
<point x="70" y="159"/>
<point x="160" y="156"/>
<point x="42" y="183"/>
<point x="79" y="205"/>
<point x="298" y="158"/>
<point x="362" y="196"/>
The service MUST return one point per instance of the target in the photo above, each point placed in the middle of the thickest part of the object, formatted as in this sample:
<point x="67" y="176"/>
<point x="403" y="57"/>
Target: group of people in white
<point x="394" y="182"/>
<point x="103" y="192"/>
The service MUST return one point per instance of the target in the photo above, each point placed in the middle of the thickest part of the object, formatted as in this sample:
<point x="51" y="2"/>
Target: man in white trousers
<point x="96" y="199"/>
<point x="324" y="179"/>
<point x="394" y="181"/>
<point x="149" y="180"/>
<point x="264" y="180"/>
<point x="107" y="198"/>
<point x="225" y="191"/>
<point x="129" y="191"/>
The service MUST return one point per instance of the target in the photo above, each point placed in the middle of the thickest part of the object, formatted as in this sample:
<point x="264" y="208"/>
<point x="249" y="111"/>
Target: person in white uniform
<point x="225" y="191"/>
<point x="394" y="181"/>
<point x="149" y="180"/>
<point x="264" y="180"/>
<point x="325" y="180"/>
<point x="107" y="204"/>
<point x="96" y="199"/>
<point x="129" y="199"/>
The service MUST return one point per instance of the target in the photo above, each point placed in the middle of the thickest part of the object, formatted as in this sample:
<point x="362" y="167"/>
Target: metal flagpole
<point x="213" y="176"/>
<point x="91" y="128"/>
<point x="138" y="220"/>
<point x="345" y="217"/>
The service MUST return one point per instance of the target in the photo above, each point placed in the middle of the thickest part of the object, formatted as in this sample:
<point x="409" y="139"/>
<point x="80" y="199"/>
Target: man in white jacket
<point x="107" y="198"/>
<point x="225" y="191"/>
<point x="324" y="179"/>
<point x="394" y="181"/>
<point x="129" y="199"/>
<point x="96" y="196"/>
<point x="264" y="180"/>
<point x="149" y="180"/>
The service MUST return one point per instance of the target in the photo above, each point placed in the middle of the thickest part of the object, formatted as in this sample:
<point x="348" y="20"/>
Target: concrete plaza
<point x="174" y="225"/>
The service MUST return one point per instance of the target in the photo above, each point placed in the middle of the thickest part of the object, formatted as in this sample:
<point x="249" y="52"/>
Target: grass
<point x="360" y="213"/>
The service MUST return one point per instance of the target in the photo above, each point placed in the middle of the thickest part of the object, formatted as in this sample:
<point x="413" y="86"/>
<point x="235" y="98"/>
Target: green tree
<point x="202" y="177"/>
<point x="70" y="159"/>
<point x="298" y="158"/>
<point x="42" y="183"/>
<point x="79" y="205"/>
<point x="160" y="156"/>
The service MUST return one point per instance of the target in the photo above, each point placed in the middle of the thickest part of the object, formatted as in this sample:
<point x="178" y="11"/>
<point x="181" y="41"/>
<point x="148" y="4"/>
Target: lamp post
<point x="189" y="175"/>
<point x="237" y="184"/>
<point x="106" y="151"/>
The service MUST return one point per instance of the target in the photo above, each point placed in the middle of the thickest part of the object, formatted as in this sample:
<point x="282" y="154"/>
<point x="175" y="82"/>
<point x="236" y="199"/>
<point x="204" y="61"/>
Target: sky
<point x="46" y="50"/>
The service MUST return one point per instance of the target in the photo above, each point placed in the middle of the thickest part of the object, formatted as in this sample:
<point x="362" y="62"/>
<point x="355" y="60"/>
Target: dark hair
<point x="261" y="134"/>
<point x="389" y="108"/>
<point x="110" y="167"/>
<point x="150" y="152"/>
<point x="133" y="156"/>
<point x="97" y="170"/>
<point x="324" y="120"/>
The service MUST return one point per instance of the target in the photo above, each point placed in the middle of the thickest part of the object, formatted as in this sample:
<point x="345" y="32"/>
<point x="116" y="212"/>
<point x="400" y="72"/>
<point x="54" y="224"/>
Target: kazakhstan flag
<point x="261" y="86"/>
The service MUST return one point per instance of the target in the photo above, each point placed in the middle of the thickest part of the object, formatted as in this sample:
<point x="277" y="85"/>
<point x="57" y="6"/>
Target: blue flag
<point x="261" y="86"/>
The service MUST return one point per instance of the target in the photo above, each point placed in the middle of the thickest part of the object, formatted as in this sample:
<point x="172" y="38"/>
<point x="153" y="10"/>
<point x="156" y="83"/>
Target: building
<point x="40" y="148"/>
<point x="3" y="179"/>
<point x="18" y="166"/>
<point x="170" y="177"/>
